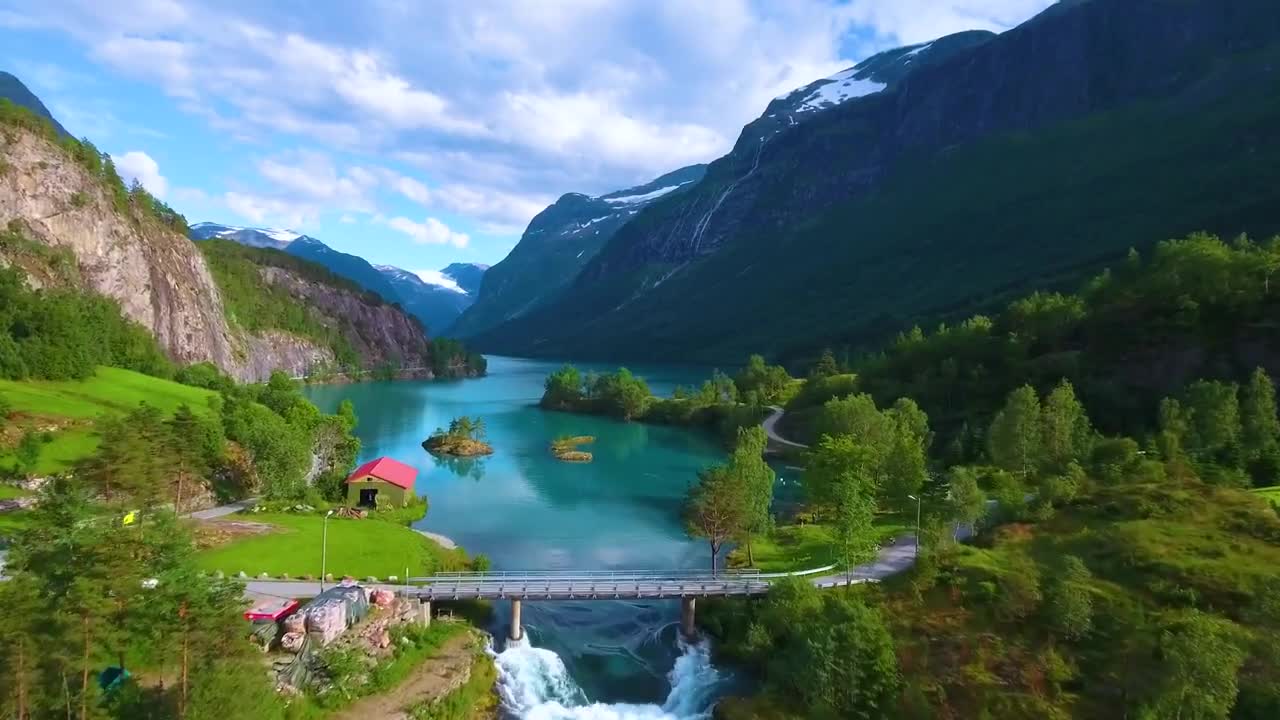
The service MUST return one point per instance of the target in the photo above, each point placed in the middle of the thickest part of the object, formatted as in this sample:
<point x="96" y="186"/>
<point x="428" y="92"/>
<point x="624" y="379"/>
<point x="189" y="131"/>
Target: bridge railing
<point x="586" y="575"/>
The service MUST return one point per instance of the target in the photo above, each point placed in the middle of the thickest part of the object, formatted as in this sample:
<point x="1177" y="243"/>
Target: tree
<point x="1259" y="424"/>
<point x="826" y="365"/>
<point x="562" y="389"/>
<point x="840" y="480"/>
<point x="1200" y="659"/>
<point x="1066" y="435"/>
<point x="967" y="500"/>
<point x="769" y="381"/>
<point x="715" y="508"/>
<point x="830" y="652"/>
<point x="1069" y="600"/>
<point x="1014" y="440"/>
<point x="1214" y="409"/>
<point x="189" y="445"/>
<point x="622" y="394"/>
<point x="28" y="452"/>
<point x="748" y="467"/>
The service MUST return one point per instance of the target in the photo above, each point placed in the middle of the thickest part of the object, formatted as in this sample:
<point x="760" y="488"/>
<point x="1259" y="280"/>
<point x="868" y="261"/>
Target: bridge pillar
<point x="424" y="611"/>
<point x="688" y="628"/>
<point x="517" y="632"/>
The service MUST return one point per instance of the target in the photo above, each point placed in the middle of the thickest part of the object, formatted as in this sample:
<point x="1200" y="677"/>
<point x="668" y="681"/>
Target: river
<point x="528" y="511"/>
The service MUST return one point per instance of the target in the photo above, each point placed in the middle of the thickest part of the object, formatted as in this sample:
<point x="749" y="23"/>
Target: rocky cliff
<point x="162" y="281"/>
<point x="933" y="181"/>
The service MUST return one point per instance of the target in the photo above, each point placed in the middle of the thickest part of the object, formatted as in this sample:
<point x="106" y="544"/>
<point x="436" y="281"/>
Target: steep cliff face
<point x="379" y="333"/>
<point x="988" y="165"/>
<point x="157" y="275"/>
<point x="162" y="281"/>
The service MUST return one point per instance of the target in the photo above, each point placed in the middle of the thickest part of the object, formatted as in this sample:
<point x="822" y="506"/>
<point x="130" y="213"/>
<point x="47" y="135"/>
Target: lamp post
<point x="918" y="502"/>
<point x="324" y="546"/>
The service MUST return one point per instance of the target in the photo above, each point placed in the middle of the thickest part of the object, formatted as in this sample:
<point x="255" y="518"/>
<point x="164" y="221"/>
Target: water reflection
<point x="470" y="468"/>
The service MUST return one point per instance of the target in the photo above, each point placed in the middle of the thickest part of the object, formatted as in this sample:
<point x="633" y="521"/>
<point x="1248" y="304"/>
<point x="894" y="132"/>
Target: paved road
<point x="223" y="510"/>
<point x="589" y="585"/>
<point x="770" y="429"/>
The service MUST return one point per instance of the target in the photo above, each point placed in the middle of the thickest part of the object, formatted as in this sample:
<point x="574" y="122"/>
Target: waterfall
<point x="534" y="684"/>
<point x="701" y="228"/>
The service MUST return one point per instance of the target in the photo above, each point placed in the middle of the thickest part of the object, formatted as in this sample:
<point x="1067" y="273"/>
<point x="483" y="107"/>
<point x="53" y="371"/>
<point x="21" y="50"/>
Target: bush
<point x="1019" y="590"/>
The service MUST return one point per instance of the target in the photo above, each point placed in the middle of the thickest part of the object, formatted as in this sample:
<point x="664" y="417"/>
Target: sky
<point x="418" y="134"/>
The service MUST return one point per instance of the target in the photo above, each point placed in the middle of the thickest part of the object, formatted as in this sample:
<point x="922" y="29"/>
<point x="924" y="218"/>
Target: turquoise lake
<point x="528" y="511"/>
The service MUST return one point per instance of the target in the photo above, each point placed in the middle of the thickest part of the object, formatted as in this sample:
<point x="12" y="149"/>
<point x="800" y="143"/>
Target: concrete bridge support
<point x="516" y="632"/>
<point x="424" y="612"/>
<point x="688" y="626"/>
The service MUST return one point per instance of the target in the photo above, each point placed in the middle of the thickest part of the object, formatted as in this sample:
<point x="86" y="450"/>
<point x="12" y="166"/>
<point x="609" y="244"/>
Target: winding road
<point x="770" y="426"/>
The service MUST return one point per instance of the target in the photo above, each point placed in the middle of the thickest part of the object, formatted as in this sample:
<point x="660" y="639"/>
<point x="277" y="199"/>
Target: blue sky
<point x="422" y="133"/>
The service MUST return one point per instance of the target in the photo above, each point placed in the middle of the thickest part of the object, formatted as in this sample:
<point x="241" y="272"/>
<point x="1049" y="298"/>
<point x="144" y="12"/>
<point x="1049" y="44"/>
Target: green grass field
<point x="804" y="547"/>
<point x="356" y="547"/>
<point x="1271" y="493"/>
<point x="110" y="391"/>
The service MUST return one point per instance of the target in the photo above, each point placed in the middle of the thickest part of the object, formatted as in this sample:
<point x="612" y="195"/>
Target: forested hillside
<point x="1024" y="161"/>
<point x="1111" y="452"/>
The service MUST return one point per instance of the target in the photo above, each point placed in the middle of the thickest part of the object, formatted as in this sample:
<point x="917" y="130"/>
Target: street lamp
<point x="917" y="552"/>
<point x="324" y="546"/>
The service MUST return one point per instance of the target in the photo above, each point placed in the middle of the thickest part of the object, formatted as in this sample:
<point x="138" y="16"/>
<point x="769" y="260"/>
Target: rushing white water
<point x="534" y="684"/>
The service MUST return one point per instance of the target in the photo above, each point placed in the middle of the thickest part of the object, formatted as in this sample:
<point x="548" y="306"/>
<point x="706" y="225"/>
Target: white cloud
<point x="261" y="210"/>
<point x="412" y="189"/>
<point x="137" y="165"/>
<point x="346" y="219"/>
<point x="504" y="104"/>
<point x="429" y="232"/>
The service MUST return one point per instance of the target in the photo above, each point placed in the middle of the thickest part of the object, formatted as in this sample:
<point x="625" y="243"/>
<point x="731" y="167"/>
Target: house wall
<point x="387" y="492"/>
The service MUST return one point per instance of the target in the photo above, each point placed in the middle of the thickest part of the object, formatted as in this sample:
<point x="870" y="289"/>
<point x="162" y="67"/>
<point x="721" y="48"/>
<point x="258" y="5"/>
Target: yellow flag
<point x="130" y="518"/>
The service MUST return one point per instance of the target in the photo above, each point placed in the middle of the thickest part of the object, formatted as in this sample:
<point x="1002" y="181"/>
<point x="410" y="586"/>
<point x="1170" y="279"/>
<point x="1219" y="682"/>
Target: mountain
<point x="253" y="237"/>
<point x="934" y="181"/>
<point x="12" y="89"/>
<point x="249" y="311"/>
<point x="352" y="267"/>
<point x="438" y="303"/>
<point x="558" y="243"/>
<point x="466" y="275"/>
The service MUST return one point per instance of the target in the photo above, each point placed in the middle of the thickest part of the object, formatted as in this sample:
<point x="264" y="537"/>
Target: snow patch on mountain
<point x="439" y="279"/>
<point x="843" y="86"/>
<point x="632" y="199"/>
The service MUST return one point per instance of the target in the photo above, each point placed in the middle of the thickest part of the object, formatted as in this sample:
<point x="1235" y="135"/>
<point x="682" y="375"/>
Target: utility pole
<point x="324" y="547"/>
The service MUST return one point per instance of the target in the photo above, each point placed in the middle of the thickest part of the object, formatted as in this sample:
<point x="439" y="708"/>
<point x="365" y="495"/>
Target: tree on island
<point x="465" y="437"/>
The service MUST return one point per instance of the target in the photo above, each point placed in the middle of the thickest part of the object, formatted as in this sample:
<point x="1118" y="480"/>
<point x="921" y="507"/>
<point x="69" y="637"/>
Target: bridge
<point x="687" y="585"/>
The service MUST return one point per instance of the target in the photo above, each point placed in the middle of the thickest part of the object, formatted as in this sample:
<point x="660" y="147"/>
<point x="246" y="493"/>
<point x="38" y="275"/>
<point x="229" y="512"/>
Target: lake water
<point x="528" y="511"/>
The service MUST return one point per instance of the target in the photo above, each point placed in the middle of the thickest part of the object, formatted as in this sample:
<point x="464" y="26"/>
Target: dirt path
<point x="437" y="676"/>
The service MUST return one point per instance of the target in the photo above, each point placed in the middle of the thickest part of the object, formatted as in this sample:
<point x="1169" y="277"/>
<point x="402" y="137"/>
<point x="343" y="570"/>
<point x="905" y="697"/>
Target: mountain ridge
<point x="830" y="231"/>
<point x="558" y="242"/>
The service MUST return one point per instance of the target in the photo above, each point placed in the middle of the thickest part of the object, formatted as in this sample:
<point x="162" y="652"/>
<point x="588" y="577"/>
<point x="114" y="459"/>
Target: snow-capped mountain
<point x="559" y="241"/>
<point x="436" y="297"/>
<point x="253" y="237"/>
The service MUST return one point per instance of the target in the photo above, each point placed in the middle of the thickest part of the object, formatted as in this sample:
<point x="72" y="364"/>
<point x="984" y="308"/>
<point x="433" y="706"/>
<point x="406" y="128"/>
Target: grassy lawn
<point x="110" y="391"/>
<point x="1271" y="493"/>
<point x="804" y="547"/>
<point x="359" y="548"/>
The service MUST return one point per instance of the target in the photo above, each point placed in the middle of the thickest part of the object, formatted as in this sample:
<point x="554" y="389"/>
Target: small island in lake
<point x="566" y="448"/>
<point x="464" y="438"/>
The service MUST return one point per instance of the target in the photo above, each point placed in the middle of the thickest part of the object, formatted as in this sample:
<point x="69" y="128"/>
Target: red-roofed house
<point x="381" y="481"/>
